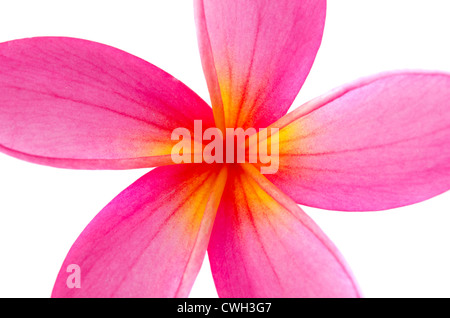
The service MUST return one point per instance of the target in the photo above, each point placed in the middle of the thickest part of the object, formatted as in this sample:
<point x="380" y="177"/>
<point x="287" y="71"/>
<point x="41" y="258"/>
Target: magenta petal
<point x="78" y="104"/>
<point x="264" y="245"/>
<point x="256" y="55"/>
<point x="380" y="143"/>
<point x="150" y="241"/>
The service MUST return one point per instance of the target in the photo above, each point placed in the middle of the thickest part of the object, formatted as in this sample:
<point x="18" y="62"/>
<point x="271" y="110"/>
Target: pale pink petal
<point x="150" y="241"/>
<point x="380" y="143"/>
<point x="264" y="245"/>
<point x="256" y="55"/>
<point x="78" y="104"/>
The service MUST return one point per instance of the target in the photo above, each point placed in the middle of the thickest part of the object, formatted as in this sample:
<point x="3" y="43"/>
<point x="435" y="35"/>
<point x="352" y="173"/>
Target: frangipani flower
<point x="375" y="144"/>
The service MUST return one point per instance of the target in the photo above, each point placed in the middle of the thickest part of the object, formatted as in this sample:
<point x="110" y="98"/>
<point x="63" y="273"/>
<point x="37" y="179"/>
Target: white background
<point x="397" y="253"/>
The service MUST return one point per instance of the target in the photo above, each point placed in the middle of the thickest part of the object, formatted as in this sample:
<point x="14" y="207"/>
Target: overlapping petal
<point x="264" y="245"/>
<point x="256" y="55"/>
<point x="380" y="143"/>
<point x="151" y="239"/>
<point x="78" y="104"/>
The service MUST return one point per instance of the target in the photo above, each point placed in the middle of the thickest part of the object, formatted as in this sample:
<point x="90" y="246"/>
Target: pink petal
<point x="380" y="143"/>
<point x="151" y="239"/>
<point x="77" y="104"/>
<point x="256" y="55"/>
<point x="264" y="245"/>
